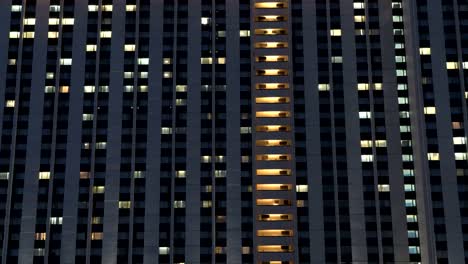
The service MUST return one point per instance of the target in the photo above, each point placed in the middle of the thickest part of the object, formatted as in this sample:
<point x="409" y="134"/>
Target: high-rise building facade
<point x="245" y="131"/>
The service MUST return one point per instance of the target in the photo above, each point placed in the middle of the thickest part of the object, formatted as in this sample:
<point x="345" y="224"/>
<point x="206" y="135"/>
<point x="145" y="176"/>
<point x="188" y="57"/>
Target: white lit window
<point x="409" y="187"/>
<point x="101" y="145"/>
<point x="29" y="21"/>
<point x="205" y="20"/>
<point x="143" y="61"/>
<point x="414" y="250"/>
<point x="413" y="234"/>
<point x="410" y="202"/>
<point x="411" y="218"/>
<point x="400" y="72"/>
<point x="88" y="117"/>
<point x="302" y="188"/>
<point x="89" y="89"/>
<point x="91" y="48"/>
<point x="181" y="88"/>
<point x="44" y="175"/>
<point x="358" y="19"/>
<point x="65" y="61"/>
<point x="28" y="34"/>
<point x="222" y="60"/>
<point x="335" y="32"/>
<point x="16" y="8"/>
<point x="129" y="47"/>
<point x="367" y="158"/>
<point x="402" y="87"/>
<point x="337" y="59"/>
<point x="179" y="204"/>
<point x="14" y="34"/>
<point x="167" y="75"/>
<point x="430" y="110"/>
<point x="167" y="61"/>
<point x="166" y="130"/>
<point x="164" y="250"/>
<point x="362" y="86"/>
<point x="128" y="75"/>
<point x="408" y="173"/>
<point x="400" y="59"/>
<point x="93" y="8"/>
<point x="180" y="174"/>
<point x="365" y="115"/>
<point x="220" y="173"/>
<point x="206" y="60"/>
<point x="12" y="62"/>
<point x="452" y="65"/>
<point x="125" y="204"/>
<point x="358" y="5"/>
<point x="10" y="103"/>
<point x="243" y="33"/>
<point x="68" y="21"/>
<point x="107" y="8"/>
<point x="39" y="252"/>
<point x="459" y="140"/>
<point x="54" y="8"/>
<point x="323" y="87"/>
<point x="106" y="34"/>
<point x="49" y="89"/>
<point x="130" y="8"/>
<point x="407" y="157"/>
<point x="405" y="129"/>
<point x="52" y="34"/>
<point x="4" y="175"/>
<point x="138" y="174"/>
<point x="460" y="156"/>
<point x="56" y="220"/>
<point x="424" y="51"/>
<point x="397" y="18"/>
<point x="245" y="130"/>
<point x="205" y="159"/>
<point x="383" y="188"/>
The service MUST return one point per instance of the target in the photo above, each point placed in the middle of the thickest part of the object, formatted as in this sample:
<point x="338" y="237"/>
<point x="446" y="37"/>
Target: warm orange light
<point x="272" y="100"/>
<point x="274" y="187"/>
<point x="273" y="172"/>
<point x="274" y="217"/>
<point x="271" y="114"/>
<point x="274" y="232"/>
<point x="275" y="248"/>
<point x="273" y="128"/>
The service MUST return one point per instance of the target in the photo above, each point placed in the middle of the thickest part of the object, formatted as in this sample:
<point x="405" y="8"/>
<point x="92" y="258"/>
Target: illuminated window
<point x="16" y="8"/>
<point x="358" y="5"/>
<point x="336" y="59"/>
<point x="44" y="175"/>
<point x="452" y="65"/>
<point x="130" y="8"/>
<point x="28" y="34"/>
<point x="359" y="19"/>
<point x="106" y="34"/>
<point x="206" y="60"/>
<point x="14" y="34"/>
<point x="410" y="203"/>
<point x="273" y="202"/>
<point x="302" y="188"/>
<point x="272" y="114"/>
<point x="430" y="110"/>
<point x="180" y="174"/>
<point x="323" y="87"/>
<point x="273" y="187"/>
<point x="410" y="187"/>
<point x="56" y="220"/>
<point x="96" y="236"/>
<point x="273" y="172"/>
<point x="205" y="20"/>
<point x="274" y="233"/>
<point x="335" y="32"/>
<point x="89" y="89"/>
<point x="12" y="62"/>
<point x="274" y="217"/>
<point x="206" y="204"/>
<point x="367" y="158"/>
<point x="98" y="189"/>
<point x="179" y="204"/>
<point x="91" y="48"/>
<point x="273" y="157"/>
<point x="221" y="60"/>
<point x="271" y="86"/>
<point x="101" y="145"/>
<point x="383" y="188"/>
<point x="271" y="31"/>
<point x="164" y="250"/>
<point x="4" y="175"/>
<point x="52" y="34"/>
<point x="271" y="45"/>
<point x="271" y="5"/>
<point x="96" y="220"/>
<point x="460" y="156"/>
<point x="459" y="140"/>
<point x="68" y="21"/>
<point x="10" y="103"/>
<point x="40" y="236"/>
<point x="274" y="248"/>
<point x="273" y="128"/>
<point x="365" y="115"/>
<point x="242" y="33"/>
<point x="65" y="61"/>
<point x="433" y="156"/>
<point x="424" y="51"/>
<point x="125" y="204"/>
<point x="167" y="75"/>
<point x="84" y="175"/>
<point x="93" y="8"/>
<point x="107" y="8"/>
<point x="411" y="218"/>
<point x="143" y="61"/>
<point x="29" y="21"/>
<point x="272" y="100"/>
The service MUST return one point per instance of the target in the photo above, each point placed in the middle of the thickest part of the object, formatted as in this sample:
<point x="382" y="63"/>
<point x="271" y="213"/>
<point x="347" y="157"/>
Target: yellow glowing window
<point x="274" y="187"/>
<point x="130" y="8"/>
<point x="16" y="8"/>
<point x="452" y="65"/>
<point x="167" y="75"/>
<point x="274" y="233"/>
<point x="273" y="143"/>
<point x="96" y="220"/>
<point x="459" y="140"/>
<point x="271" y="86"/>
<point x="273" y="202"/>
<point x="10" y="103"/>
<point x="14" y="34"/>
<point x="272" y="114"/>
<point x="270" y="18"/>
<point x="460" y="156"/>
<point x="28" y="34"/>
<point x="366" y="143"/>
<point x="68" y="21"/>
<point x="106" y="34"/>
<point x="52" y="34"/>
<point x="93" y="8"/>
<point x="12" y="62"/>
<point x="273" y="157"/>
<point x="91" y="48"/>
<point x="44" y="175"/>
<point x="302" y="188"/>
<point x="271" y="31"/>
<point x="271" y="5"/>
<point x="383" y="188"/>
<point x="64" y="89"/>
<point x="430" y="110"/>
<point x="107" y="8"/>
<point x="433" y="156"/>
<point x="359" y="19"/>
<point x="96" y="236"/>
<point x="425" y="51"/>
<point x="129" y="47"/>
<point x="378" y="86"/>
<point x="273" y="172"/>
<point x="323" y="87"/>
<point x="125" y="204"/>
<point x="40" y="236"/>
<point x="362" y="86"/>
<point x="65" y="61"/>
<point x="358" y="5"/>
<point x="272" y="72"/>
<point x="206" y="60"/>
<point x="98" y="189"/>
<point x="143" y="61"/>
<point x="84" y="175"/>
<point x="271" y="45"/>
<point x="29" y="21"/>
<point x="381" y="143"/>
<point x="273" y="128"/>
<point x="272" y="58"/>
<point x="272" y="100"/>
<point x="275" y="248"/>
<point x="221" y="60"/>
<point x="206" y="204"/>
<point x="335" y="32"/>
<point x="242" y="33"/>
<point x="220" y="250"/>
<point x="274" y="217"/>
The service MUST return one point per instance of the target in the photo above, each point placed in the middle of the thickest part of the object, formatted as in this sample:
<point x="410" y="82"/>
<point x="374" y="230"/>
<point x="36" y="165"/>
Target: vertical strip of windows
<point x="406" y="134"/>
<point x="273" y="154"/>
